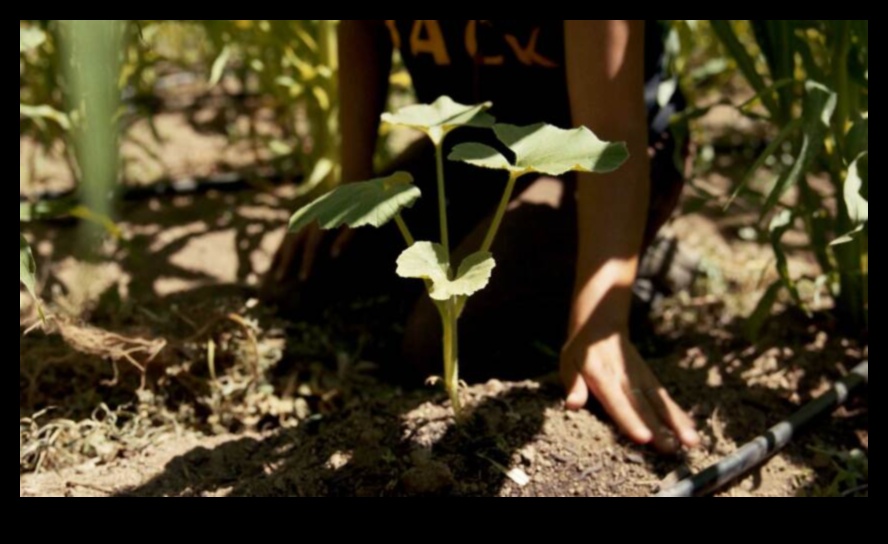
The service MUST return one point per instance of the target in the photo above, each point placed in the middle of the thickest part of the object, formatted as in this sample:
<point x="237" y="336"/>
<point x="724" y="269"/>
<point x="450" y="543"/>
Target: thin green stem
<point x="442" y="197"/>
<point x="405" y="231"/>
<point x="451" y="356"/>
<point x="500" y="213"/>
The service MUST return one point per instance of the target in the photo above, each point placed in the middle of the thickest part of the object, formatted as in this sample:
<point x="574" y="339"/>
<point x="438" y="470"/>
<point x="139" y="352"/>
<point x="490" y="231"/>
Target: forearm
<point x="606" y="81"/>
<point x="365" y="63"/>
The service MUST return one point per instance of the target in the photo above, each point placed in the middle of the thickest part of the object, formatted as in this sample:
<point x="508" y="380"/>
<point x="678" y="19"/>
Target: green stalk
<point x="849" y="256"/>
<point x="451" y="355"/>
<point x="405" y="232"/>
<point x="442" y="196"/>
<point x="500" y="213"/>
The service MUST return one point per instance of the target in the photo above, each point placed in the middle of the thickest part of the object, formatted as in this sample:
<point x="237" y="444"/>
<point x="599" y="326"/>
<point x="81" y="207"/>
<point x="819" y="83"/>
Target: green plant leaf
<point x="780" y="225"/>
<point x="818" y="109"/>
<point x="219" y="66"/>
<point x="30" y="38"/>
<point x="369" y="203"/>
<point x="855" y="199"/>
<point x="428" y="261"/>
<point x="441" y="117"/>
<point x="753" y="327"/>
<point x="545" y="149"/>
<point x="480" y="155"/>
<point x="744" y="60"/>
<point x="40" y="113"/>
<point x="27" y="267"/>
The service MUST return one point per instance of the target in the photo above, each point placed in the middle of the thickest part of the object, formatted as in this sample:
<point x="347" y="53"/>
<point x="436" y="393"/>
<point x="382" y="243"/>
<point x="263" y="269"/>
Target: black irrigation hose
<point x="764" y="447"/>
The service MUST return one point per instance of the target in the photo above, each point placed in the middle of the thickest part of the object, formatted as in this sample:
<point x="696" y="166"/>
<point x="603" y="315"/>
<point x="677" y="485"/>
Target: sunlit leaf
<point x="428" y="261"/>
<point x="30" y="38"/>
<point x="219" y="66"/>
<point x="855" y="201"/>
<point x="28" y="272"/>
<point x="369" y="203"/>
<point x="441" y="117"/>
<point x="480" y="155"/>
<point x="545" y="149"/>
<point x="38" y="113"/>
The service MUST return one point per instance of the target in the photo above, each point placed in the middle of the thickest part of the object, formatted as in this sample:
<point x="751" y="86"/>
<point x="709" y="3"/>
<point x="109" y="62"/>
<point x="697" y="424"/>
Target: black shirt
<point x="519" y="65"/>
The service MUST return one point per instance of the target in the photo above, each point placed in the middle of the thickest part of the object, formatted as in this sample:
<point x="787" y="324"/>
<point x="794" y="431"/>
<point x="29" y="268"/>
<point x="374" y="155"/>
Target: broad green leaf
<point x="480" y="155"/>
<point x="428" y="261"/>
<point x="369" y="203"/>
<point x="27" y="267"/>
<point x="855" y="201"/>
<point x="441" y="117"/>
<point x="30" y="38"/>
<point x="544" y="149"/>
<point x="817" y="112"/>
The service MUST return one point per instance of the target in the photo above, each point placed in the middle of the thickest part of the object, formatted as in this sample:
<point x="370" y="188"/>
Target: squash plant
<point x="532" y="150"/>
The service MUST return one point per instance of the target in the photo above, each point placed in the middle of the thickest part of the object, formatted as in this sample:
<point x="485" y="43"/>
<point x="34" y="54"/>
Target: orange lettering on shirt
<point x="528" y="54"/>
<point x="393" y="29"/>
<point x="432" y="44"/>
<point x="472" y="46"/>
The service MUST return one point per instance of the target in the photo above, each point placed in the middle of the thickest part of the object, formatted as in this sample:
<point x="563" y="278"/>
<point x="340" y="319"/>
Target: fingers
<point x="617" y="402"/>
<point x="575" y="386"/>
<point x="673" y="416"/>
<point x="663" y="438"/>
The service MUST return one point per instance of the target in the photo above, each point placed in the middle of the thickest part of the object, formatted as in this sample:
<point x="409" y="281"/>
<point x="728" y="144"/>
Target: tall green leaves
<point x="821" y="115"/>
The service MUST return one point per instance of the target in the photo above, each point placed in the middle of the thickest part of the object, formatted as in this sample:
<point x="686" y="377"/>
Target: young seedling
<point x="536" y="150"/>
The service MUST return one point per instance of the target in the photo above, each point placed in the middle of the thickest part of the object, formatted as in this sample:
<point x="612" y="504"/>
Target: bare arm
<point x="365" y="61"/>
<point x="605" y="68"/>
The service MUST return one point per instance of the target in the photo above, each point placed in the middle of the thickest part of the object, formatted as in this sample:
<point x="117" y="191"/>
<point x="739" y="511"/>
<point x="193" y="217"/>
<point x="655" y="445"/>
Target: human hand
<point x="614" y="372"/>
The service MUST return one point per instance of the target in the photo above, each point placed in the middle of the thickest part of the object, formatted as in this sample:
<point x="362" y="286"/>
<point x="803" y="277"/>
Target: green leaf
<point x="369" y="203"/>
<point x="480" y="155"/>
<point x="219" y="65"/>
<point x="780" y="225"/>
<point x="785" y="134"/>
<point x="855" y="201"/>
<point x="817" y="112"/>
<point x="441" y="117"/>
<point x="744" y="60"/>
<point x="27" y="267"/>
<point x="753" y="326"/>
<point x="30" y="38"/>
<point x="544" y="149"/>
<point x="428" y="261"/>
<point x="40" y="113"/>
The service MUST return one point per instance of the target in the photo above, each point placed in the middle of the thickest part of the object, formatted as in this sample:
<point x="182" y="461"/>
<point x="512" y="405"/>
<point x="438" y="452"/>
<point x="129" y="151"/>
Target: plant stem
<point x="500" y="213"/>
<point x="442" y="197"/>
<point x="405" y="232"/>
<point x="451" y="355"/>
